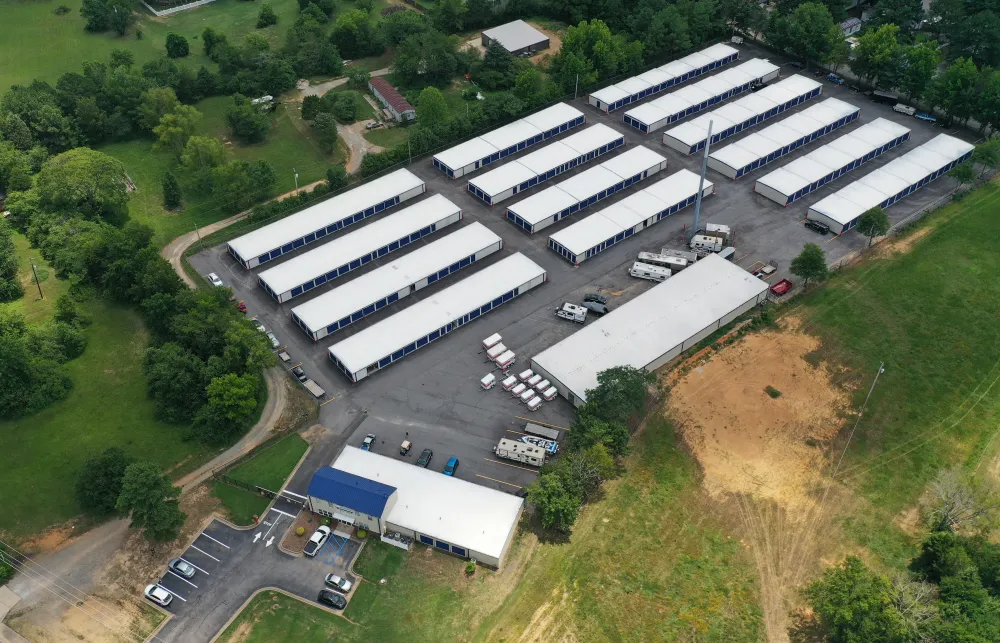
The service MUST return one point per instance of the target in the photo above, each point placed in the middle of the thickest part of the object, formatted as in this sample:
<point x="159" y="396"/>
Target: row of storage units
<point x="393" y="338"/>
<point x="784" y="137"/>
<point x="326" y="217"/>
<point x="320" y="265"/>
<point x="631" y="215"/>
<point x="895" y="180"/>
<point x="387" y="284"/>
<point x="657" y="80"/>
<point x="686" y="101"/>
<point x="552" y="160"/>
<point x="830" y="162"/>
<point x="742" y="114"/>
<point x="480" y="151"/>
<point x="541" y="210"/>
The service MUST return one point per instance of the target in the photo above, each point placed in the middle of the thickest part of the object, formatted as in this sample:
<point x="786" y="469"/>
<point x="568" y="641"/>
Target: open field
<point x="388" y="136"/>
<point x="271" y="467"/>
<point x="272" y="616"/>
<point x="241" y="505"/>
<point x="34" y="308"/>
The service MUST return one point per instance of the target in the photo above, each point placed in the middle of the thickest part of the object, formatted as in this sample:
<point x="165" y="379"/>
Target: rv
<point x="719" y="230"/>
<point x="675" y="264"/>
<point x="520" y="452"/>
<point x="705" y="242"/>
<point x="572" y="312"/>
<point x="646" y="271"/>
<point x="683" y="254"/>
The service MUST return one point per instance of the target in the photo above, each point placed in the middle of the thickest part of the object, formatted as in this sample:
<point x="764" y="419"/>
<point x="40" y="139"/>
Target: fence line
<point x="173" y="10"/>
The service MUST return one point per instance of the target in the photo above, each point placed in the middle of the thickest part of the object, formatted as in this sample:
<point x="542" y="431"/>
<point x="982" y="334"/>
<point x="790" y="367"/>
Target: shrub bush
<point x="300" y="531"/>
<point x="470" y="568"/>
<point x="362" y="533"/>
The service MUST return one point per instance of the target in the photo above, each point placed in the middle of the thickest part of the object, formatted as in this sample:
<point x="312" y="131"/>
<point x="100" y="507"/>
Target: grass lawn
<point x="241" y="505"/>
<point x="273" y="616"/>
<point x="931" y="315"/>
<point x="34" y="308"/>
<point x="388" y="136"/>
<point x="271" y="467"/>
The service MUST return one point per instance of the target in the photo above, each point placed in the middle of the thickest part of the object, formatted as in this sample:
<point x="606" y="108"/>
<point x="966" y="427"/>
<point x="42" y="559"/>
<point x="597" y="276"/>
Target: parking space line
<point x="517" y="432"/>
<point x="833" y="239"/>
<point x="294" y="366"/>
<point x="195" y="566"/>
<point x="512" y="465"/>
<point x="282" y="512"/>
<point x="218" y="541"/>
<point x="328" y="401"/>
<point x="554" y="426"/>
<point x="500" y="481"/>
<point x="172" y="593"/>
<point x="742" y="258"/>
<point x="206" y="553"/>
<point x="170" y="571"/>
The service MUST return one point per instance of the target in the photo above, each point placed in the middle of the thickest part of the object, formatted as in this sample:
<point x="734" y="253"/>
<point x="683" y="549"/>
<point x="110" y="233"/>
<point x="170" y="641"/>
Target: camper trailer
<point x="520" y="452"/>
<point x="646" y="271"/>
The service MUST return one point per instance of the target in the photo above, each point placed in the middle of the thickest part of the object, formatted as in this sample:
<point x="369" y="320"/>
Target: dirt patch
<point x="309" y="522"/>
<point x="93" y="620"/>
<point x="555" y="43"/>
<point x="903" y="244"/>
<point x="51" y="539"/>
<point x="550" y="621"/>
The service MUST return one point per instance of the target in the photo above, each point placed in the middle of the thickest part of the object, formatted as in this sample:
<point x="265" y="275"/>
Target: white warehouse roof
<point x="592" y="138"/>
<point x="466" y="153"/>
<point x="511" y="134"/>
<point x="296" y="226"/>
<point x="515" y="35"/>
<point x="337" y="252"/>
<point x="671" y="70"/>
<point x="544" y="204"/>
<point x="445" y="507"/>
<point x="434" y="312"/>
<point x="361" y="291"/>
<point x="503" y="178"/>
<point x="552" y="117"/>
<point x="634" y="161"/>
<point x="643" y="330"/>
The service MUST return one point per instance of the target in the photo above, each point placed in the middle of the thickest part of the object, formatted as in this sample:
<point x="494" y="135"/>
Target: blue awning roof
<point x="351" y="491"/>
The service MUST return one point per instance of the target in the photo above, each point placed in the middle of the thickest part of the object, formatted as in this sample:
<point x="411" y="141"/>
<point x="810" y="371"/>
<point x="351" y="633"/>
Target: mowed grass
<point x="35" y="308"/>
<point x="240" y="505"/>
<point x="273" y="616"/>
<point x="931" y="315"/>
<point x="272" y="466"/>
<point x="388" y="136"/>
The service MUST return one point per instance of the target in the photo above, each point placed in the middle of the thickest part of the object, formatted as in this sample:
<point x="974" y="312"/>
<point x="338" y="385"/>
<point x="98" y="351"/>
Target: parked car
<point x="338" y="583"/>
<point x="299" y="374"/>
<point x="449" y="469"/>
<point x="374" y="125"/>
<point x="316" y="541"/>
<point x="819" y="72"/>
<point x="593" y="296"/>
<point x="368" y="443"/>
<point x="596" y="307"/>
<point x="274" y="340"/>
<point x="817" y="226"/>
<point x="425" y="458"/>
<point x="258" y="325"/>
<point x="835" y="79"/>
<point x="781" y="288"/>
<point x="242" y="306"/>
<point x="900" y="108"/>
<point x="158" y="595"/>
<point x="925" y="117"/>
<point x="214" y="279"/>
<point x="333" y="599"/>
<point x="796" y="64"/>
<point x="181" y="567"/>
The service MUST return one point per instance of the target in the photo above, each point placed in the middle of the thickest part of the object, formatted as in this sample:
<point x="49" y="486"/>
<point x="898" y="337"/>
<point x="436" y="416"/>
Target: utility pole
<point x="296" y="172"/>
<point x="197" y="231"/>
<point x="409" y="154"/>
<point x="576" y="86"/>
<point x="34" y="271"/>
<point x="701" y="181"/>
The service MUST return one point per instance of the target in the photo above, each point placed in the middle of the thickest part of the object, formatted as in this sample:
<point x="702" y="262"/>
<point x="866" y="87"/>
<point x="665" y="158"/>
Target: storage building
<point x="517" y="37"/>
<point x="541" y="210"/>
<point x="743" y="114"/>
<point x="434" y="317"/>
<point x="350" y="499"/>
<point x="631" y="215"/>
<point x="326" y="217"/>
<point x="478" y="152"/>
<point x="830" y="162"/>
<point x="444" y="512"/>
<point x="657" y="80"/>
<point x="320" y="265"/>
<point x="692" y="99"/>
<point x="398" y="106"/>
<point x="375" y="290"/>
<point x="653" y="328"/>
<point x="541" y="165"/>
<point x="783" y="137"/>
<point x="895" y="180"/>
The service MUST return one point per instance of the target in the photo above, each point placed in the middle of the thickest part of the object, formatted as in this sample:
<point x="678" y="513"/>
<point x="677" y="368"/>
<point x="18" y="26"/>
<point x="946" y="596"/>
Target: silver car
<point x="338" y="583"/>
<point x="214" y="279"/>
<point x="158" y="595"/>
<point x="181" y="567"/>
<point x="274" y="340"/>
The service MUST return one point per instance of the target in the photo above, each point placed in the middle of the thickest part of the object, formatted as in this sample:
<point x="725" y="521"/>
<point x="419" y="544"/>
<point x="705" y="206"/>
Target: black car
<point x="593" y="296"/>
<point x="425" y="458"/>
<point x="595" y="307"/>
<point x="817" y="226"/>
<point x="299" y="374"/>
<point x="331" y="598"/>
<point x="797" y="64"/>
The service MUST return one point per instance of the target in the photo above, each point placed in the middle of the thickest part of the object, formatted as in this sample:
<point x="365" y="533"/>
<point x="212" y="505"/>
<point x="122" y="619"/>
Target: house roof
<point x="351" y="491"/>
<point x="390" y="95"/>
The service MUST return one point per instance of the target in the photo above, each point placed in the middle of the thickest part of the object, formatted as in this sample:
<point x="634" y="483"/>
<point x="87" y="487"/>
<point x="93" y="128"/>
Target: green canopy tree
<point x="150" y="501"/>
<point x="177" y="46"/>
<point x="956" y="90"/>
<point x="855" y="604"/>
<point x="325" y="127"/>
<point x="155" y="103"/>
<point x="987" y="154"/>
<point x="810" y="264"/>
<point x="84" y="182"/>
<point x="808" y="32"/>
<point x="232" y="400"/>
<point x="920" y="63"/>
<point x="964" y="173"/>
<point x="171" y="191"/>
<point x="557" y="508"/>
<point x="175" y="129"/>
<point x="874" y="222"/>
<point x="620" y="393"/>
<point x="432" y="109"/>
<point x="878" y="56"/>
<point x="266" y="17"/>
<point x="10" y="285"/>
<point x="99" y="482"/>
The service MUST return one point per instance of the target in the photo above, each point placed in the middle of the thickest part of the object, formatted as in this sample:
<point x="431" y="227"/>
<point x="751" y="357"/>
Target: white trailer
<point x="520" y="452"/>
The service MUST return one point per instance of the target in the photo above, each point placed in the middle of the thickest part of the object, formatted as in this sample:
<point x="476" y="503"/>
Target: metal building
<point x="517" y="37"/>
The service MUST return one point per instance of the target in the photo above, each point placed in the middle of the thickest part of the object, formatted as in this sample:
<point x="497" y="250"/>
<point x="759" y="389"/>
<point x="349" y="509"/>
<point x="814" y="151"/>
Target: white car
<point x="214" y="279"/>
<point x="338" y="583"/>
<point x="274" y="340"/>
<point x="316" y="541"/>
<point x="158" y="595"/>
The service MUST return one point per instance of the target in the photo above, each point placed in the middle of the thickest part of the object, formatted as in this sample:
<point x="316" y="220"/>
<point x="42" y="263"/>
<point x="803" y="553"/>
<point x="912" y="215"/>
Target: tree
<point x="590" y="429"/>
<point x="99" y="482"/>
<point x="149" y="498"/>
<point x="906" y="14"/>
<point x="449" y="15"/>
<point x="10" y="285"/>
<point x="120" y="58"/>
<point x="620" y="393"/>
<point x="343" y="105"/>
<point x="529" y="85"/>
<point x="177" y="46"/>
<point x="354" y="35"/>
<point x="240" y="184"/>
<point x="431" y="108"/>
<point x="959" y="502"/>
<point x="154" y="104"/>
<point x="358" y="78"/>
<point x="855" y="605"/>
<point x="557" y="508"/>
<point x="311" y="105"/>
<point x="808" y="32"/>
<point x="325" y="128"/>
<point x="874" y="222"/>
<point x="175" y="129"/>
<point x="232" y="399"/>
<point x="365" y="5"/>
<point x="266" y="17"/>
<point x="402" y="24"/>
<point x="920" y="62"/>
<point x="745" y="16"/>
<point x="583" y="471"/>
<point x="964" y="173"/>
<point x="877" y="57"/>
<point x="955" y="90"/>
<point x="247" y="121"/>
<point x="987" y="154"/>
<point x="810" y="264"/>
<point x="201" y="154"/>
<point x="210" y="38"/>
<point x="171" y="191"/>
<point x="591" y="47"/>
<point x="84" y="182"/>
<point x="336" y="177"/>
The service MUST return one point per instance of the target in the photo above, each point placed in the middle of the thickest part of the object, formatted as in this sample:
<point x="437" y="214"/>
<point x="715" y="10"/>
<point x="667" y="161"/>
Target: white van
<point x="646" y="271"/>
<point x="904" y="109"/>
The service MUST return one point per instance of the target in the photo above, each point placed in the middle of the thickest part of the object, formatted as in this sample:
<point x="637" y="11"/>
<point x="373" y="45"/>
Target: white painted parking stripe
<point x="218" y="541"/>
<point x="196" y="567"/>
<point x="272" y="527"/>
<point x="282" y="512"/>
<point x="206" y="553"/>
<point x="170" y="571"/>
<point x="171" y="593"/>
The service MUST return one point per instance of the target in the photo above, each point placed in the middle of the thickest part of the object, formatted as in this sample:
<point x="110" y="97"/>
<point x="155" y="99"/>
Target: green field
<point x="272" y="466"/>
<point x="388" y="136"/>
<point x="241" y="506"/>
<point x="276" y="617"/>
<point x="35" y="308"/>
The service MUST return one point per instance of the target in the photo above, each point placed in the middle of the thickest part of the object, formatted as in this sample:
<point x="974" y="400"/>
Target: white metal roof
<point x="552" y="117"/>
<point x="676" y="68"/>
<point x="697" y="60"/>
<point x="633" y="161"/>
<point x="642" y="330"/>
<point x="610" y="94"/>
<point x="361" y="291"/>
<point x="503" y="178"/>
<point x="678" y="186"/>
<point x="592" y="138"/>
<point x="589" y="182"/>
<point x="648" y="113"/>
<point x="447" y="508"/>
<point x="654" y="77"/>
<point x="515" y="35"/>
<point x="948" y="146"/>
<point x="622" y="216"/>
<point x="586" y="233"/>
<point x="337" y="252"/>
<point x="889" y="183"/>
<point x="547" y="158"/>
<point x="633" y="85"/>
<point x="274" y="235"/>
<point x="511" y="134"/>
<point x="719" y="51"/>
<point x="543" y="205"/>
<point x="466" y="153"/>
<point x="434" y="312"/>
<point x="644" y="203"/>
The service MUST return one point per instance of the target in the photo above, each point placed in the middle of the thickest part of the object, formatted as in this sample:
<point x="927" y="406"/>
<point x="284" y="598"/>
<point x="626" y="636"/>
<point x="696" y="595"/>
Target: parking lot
<point x="433" y="397"/>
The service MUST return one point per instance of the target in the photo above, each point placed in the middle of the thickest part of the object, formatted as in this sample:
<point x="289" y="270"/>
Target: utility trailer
<point x="541" y="431"/>
<point x="520" y="452"/>
<point x="314" y="388"/>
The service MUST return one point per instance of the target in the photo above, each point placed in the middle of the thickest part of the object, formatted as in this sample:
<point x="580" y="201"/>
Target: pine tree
<point x="171" y="191"/>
